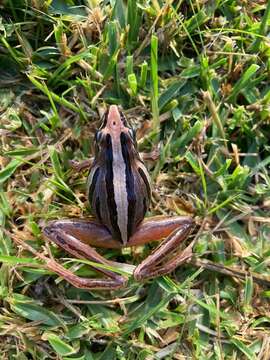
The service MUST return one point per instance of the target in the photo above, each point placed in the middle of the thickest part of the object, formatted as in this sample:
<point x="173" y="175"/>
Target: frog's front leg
<point x="166" y="257"/>
<point x="73" y="236"/>
<point x="81" y="165"/>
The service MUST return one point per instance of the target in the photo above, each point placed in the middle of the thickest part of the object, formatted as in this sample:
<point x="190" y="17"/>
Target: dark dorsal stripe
<point x="93" y="183"/>
<point x="97" y="206"/>
<point x="145" y="205"/>
<point x="131" y="196"/>
<point x="110" y="189"/>
<point x="146" y="182"/>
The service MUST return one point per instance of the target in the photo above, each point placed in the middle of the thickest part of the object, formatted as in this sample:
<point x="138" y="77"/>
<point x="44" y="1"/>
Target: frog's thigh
<point x="157" y="228"/>
<point x="70" y="236"/>
<point x="89" y="232"/>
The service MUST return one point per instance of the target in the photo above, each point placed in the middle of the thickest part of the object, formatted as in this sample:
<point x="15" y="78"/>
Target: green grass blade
<point x="154" y="83"/>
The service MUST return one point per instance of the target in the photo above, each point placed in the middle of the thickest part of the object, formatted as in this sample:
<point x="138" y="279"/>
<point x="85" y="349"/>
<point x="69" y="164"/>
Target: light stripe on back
<point x="119" y="186"/>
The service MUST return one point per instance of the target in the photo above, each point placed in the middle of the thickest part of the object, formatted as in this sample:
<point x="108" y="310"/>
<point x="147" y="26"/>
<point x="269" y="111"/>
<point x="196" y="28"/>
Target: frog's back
<point x="118" y="182"/>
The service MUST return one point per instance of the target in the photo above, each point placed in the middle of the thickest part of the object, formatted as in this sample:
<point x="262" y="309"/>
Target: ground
<point x="193" y="79"/>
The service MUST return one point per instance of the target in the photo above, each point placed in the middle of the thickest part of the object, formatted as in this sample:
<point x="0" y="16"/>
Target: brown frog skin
<point x="119" y="192"/>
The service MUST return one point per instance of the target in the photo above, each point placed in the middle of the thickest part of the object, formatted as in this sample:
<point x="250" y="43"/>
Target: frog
<point x="119" y="191"/>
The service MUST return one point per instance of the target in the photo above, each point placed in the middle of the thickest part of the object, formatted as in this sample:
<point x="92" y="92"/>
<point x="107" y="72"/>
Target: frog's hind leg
<point x="167" y="256"/>
<point x="74" y="237"/>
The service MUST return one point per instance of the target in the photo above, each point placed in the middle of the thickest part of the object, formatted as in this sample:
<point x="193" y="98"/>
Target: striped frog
<point x="119" y="192"/>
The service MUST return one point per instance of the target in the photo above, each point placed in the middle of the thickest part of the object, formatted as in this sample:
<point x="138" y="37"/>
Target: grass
<point x="193" y="77"/>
